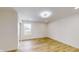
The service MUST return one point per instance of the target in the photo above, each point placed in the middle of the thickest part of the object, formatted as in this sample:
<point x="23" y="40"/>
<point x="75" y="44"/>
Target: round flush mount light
<point x="45" y="14"/>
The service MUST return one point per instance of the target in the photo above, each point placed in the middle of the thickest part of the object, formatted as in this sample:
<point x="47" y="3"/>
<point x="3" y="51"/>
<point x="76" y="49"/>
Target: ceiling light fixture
<point x="45" y="14"/>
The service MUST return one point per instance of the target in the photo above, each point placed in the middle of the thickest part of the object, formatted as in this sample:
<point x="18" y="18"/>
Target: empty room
<point x="48" y="29"/>
<point x="39" y="29"/>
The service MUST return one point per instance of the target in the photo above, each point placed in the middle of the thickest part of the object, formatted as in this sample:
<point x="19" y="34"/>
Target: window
<point x="27" y="28"/>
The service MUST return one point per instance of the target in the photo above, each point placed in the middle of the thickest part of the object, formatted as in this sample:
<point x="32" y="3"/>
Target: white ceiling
<point x="33" y="13"/>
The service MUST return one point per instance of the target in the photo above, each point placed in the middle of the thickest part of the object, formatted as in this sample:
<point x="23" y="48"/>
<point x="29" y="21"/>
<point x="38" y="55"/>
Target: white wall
<point x="39" y="30"/>
<point x="65" y="30"/>
<point x="8" y="29"/>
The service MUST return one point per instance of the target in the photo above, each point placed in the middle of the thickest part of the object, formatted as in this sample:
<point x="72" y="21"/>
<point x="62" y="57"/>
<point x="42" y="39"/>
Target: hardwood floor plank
<point x="45" y="45"/>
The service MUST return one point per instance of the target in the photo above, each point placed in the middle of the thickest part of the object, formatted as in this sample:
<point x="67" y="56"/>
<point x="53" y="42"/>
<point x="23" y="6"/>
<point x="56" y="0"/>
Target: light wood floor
<point x="45" y="45"/>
